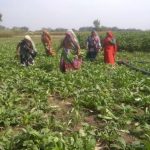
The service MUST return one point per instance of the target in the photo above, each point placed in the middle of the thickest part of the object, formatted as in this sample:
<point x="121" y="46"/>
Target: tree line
<point x="96" y="26"/>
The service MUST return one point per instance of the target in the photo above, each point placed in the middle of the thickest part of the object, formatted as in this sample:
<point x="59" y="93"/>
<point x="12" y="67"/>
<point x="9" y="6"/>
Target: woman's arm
<point x="112" y="41"/>
<point x="18" y="49"/>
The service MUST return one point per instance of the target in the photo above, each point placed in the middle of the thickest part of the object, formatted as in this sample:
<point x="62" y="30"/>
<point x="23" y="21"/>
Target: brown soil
<point x="129" y="139"/>
<point x="63" y="113"/>
<point x="63" y="107"/>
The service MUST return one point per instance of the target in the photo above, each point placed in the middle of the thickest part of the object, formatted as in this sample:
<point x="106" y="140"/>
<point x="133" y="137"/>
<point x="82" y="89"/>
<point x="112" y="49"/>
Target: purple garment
<point x="93" y="42"/>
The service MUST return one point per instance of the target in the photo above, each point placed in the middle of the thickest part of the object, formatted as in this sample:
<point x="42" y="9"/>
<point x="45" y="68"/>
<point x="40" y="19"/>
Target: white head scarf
<point x="73" y="35"/>
<point x="27" y="37"/>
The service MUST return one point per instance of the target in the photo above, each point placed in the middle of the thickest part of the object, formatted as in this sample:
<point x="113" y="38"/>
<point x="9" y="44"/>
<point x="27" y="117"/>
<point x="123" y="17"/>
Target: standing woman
<point x="93" y="45"/>
<point x="47" y="42"/>
<point x="110" y="48"/>
<point x="70" y="54"/>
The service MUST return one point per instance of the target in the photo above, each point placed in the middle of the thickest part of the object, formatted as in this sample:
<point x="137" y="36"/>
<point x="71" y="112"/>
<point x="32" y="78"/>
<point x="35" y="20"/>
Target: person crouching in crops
<point x="26" y="51"/>
<point x="70" y="58"/>
<point x="110" y="48"/>
<point x="93" y="46"/>
<point x="47" y="42"/>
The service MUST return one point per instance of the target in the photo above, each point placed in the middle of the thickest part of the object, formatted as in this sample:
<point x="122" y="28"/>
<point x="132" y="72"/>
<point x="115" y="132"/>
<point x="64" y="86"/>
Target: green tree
<point x="96" y="24"/>
<point x="20" y="29"/>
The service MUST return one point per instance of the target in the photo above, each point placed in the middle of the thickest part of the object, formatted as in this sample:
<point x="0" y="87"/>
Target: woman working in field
<point x="110" y="48"/>
<point x="47" y="42"/>
<point x="26" y="51"/>
<point x="93" y="46"/>
<point x="70" y="54"/>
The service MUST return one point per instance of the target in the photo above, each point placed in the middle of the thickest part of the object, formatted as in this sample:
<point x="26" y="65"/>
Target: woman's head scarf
<point x="27" y="37"/>
<point x="109" y="34"/>
<point x="72" y="35"/>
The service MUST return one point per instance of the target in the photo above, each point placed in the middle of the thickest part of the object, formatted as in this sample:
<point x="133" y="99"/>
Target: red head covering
<point x="110" y="34"/>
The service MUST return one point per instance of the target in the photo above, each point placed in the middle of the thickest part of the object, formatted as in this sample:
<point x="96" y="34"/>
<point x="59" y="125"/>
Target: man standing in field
<point x="47" y="42"/>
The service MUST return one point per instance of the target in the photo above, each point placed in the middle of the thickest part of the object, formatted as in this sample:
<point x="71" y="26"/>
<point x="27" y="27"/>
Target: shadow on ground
<point x="46" y="67"/>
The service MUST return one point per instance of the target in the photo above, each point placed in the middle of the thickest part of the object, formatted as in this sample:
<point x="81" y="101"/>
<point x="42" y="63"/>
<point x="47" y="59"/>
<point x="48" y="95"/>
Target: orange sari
<point x="47" y="42"/>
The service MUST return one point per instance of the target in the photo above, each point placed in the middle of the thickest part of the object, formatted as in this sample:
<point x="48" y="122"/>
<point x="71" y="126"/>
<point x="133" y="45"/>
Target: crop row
<point x="127" y="41"/>
<point x="108" y="106"/>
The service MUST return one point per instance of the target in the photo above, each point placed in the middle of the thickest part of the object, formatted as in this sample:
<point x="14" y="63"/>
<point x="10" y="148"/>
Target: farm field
<point x="96" y="107"/>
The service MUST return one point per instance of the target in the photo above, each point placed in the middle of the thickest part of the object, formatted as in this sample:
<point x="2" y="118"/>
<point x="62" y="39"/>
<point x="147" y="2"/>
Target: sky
<point x="37" y="14"/>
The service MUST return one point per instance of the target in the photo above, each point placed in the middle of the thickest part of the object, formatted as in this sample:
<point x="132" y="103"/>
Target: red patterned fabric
<point x="66" y="66"/>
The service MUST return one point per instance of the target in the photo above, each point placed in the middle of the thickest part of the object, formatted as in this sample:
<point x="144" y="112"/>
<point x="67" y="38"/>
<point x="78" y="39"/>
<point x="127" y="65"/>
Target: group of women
<point x="70" y="56"/>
